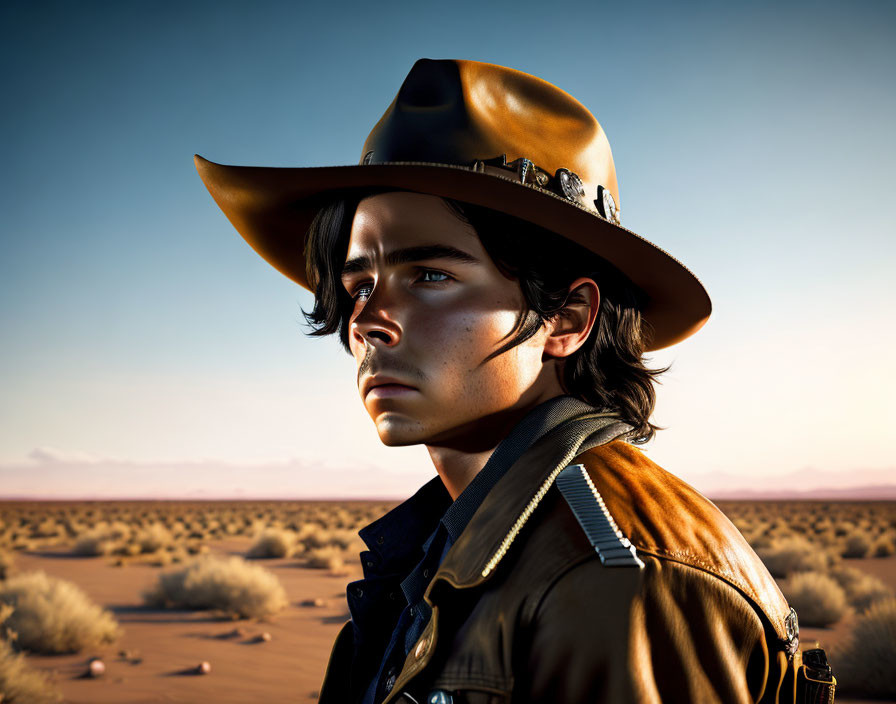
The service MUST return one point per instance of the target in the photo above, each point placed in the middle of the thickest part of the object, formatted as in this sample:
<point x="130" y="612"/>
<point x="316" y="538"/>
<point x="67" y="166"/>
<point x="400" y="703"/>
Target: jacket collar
<point x="474" y="557"/>
<point x="396" y="537"/>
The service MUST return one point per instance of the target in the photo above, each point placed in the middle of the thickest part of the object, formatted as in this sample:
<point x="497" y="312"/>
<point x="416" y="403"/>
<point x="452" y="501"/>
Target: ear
<point x="572" y="325"/>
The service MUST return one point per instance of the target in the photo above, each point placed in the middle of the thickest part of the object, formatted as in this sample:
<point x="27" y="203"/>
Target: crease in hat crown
<point x="483" y="134"/>
<point x="459" y="112"/>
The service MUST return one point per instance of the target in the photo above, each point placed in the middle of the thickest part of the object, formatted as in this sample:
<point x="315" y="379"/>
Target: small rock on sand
<point x="235" y="633"/>
<point x="96" y="667"/>
<point x="203" y="668"/>
<point x="318" y="602"/>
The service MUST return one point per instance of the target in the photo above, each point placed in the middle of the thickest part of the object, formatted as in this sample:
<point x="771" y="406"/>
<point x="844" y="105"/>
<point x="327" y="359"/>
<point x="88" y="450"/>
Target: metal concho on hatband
<point x="564" y="182"/>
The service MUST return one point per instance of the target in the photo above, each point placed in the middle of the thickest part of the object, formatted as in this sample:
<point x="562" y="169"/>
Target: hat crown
<point x="451" y="111"/>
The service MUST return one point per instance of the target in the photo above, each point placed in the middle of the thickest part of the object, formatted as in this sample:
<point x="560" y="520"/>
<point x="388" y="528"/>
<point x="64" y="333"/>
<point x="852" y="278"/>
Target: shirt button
<point x="426" y="572"/>
<point x="413" y="610"/>
<point x="369" y="563"/>
<point x="393" y="596"/>
<point x="359" y="592"/>
<point x="380" y="540"/>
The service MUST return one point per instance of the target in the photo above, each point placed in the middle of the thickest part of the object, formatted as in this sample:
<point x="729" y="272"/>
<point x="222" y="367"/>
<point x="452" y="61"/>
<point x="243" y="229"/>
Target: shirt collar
<point x="396" y="536"/>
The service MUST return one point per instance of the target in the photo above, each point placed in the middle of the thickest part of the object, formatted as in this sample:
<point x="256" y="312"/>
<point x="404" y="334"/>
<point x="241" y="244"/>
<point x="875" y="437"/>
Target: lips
<point x="388" y="384"/>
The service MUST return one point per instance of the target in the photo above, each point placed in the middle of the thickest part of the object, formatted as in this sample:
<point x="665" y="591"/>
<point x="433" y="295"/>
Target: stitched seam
<point x="688" y="558"/>
<point x="748" y="594"/>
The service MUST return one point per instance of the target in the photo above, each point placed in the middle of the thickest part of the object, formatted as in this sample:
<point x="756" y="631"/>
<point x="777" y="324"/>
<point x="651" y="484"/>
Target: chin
<point x="397" y="430"/>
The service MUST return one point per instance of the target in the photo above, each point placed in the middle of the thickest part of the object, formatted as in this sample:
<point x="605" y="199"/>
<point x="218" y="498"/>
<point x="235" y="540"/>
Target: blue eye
<point x="362" y="292"/>
<point x="426" y="276"/>
<point x="432" y="272"/>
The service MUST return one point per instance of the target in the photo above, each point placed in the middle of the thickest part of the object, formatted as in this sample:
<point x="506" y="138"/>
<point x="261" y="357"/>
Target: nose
<point x="376" y="323"/>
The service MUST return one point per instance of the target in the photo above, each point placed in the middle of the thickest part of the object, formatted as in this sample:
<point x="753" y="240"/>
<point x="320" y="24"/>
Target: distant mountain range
<point x="51" y="475"/>
<point x="880" y="492"/>
<point x="807" y="483"/>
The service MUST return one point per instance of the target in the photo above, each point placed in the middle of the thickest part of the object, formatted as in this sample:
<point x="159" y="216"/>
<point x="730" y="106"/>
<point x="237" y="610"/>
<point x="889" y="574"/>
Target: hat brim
<point x="272" y="208"/>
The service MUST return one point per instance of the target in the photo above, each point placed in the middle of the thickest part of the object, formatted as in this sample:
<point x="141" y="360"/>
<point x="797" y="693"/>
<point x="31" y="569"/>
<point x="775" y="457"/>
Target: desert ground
<point x="254" y="592"/>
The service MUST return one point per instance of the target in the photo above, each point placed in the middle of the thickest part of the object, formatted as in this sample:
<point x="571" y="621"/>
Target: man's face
<point x="430" y="306"/>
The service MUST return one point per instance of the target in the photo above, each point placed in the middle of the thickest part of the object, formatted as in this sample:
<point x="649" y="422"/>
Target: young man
<point x="474" y="265"/>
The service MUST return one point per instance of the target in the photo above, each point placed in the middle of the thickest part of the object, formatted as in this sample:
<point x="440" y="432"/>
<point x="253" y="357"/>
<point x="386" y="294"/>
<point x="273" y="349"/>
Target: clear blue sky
<point x="754" y="141"/>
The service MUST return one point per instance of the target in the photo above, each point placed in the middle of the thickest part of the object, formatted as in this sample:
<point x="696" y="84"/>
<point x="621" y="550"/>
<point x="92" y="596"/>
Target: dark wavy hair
<point x="607" y="371"/>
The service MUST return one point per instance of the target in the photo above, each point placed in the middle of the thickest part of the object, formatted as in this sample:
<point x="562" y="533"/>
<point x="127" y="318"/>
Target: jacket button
<point x="390" y="680"/>
<point x="421" y="648"/>
<point x="439" y="696"/>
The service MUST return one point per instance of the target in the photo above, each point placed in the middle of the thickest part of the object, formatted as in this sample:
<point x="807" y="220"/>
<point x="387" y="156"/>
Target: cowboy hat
<point x="482" y="134"/>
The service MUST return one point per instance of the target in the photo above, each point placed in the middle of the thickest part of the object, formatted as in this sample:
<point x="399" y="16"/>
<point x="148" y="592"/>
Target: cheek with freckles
<point x="455" y="349"/>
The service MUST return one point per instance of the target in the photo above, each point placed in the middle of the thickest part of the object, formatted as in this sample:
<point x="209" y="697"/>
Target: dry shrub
<point x="52" y="615"/>
<point x="818" y="599"/>
<point x="344" y="538"/>
<point x="328" y="557"/>
<point x="856" y="545"/>
<point x="129" y="549"/>
<point x="883" y="546"/>
<point x="847" y="577"/>
<point x="758" y="537"/>
<point x="6" y="563"/>
<point x="19" y="684"/>
<point x="47" y="528"/>
<point x="162" y="558"/>
<point x="273" y="542"/>
<point x="153" y="538"/>
<point x="313" y="536"/>
<point x="844" y="528"/>
<point x="864" y="666"/>
<point x="792" y="554"/>
<point x="116" y="530"/>
<point x="230" y="586"/>
<point x="862" y="589"/>
<point x="22" y="543"/>
<point x="95" y="542"/>
<point x="118" y="538"/>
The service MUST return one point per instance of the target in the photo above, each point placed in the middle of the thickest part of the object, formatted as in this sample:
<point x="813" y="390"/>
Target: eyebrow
<point x="410" y="254"/>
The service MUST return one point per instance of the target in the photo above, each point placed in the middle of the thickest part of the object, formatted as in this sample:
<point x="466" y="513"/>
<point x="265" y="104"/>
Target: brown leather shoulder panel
<point x="664" y="516"/>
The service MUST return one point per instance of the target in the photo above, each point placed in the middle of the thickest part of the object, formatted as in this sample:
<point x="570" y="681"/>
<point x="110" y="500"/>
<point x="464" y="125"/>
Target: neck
<point x="458" y="461"/>
<point x="457" y="468"/>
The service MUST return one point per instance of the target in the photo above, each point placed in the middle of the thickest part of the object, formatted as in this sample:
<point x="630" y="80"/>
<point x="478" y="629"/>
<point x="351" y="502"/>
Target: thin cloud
<point x="52" y="455"/>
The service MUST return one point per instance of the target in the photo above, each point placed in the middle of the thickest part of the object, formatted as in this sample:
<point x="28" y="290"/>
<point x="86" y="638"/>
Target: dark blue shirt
<point x="406" y="547"/>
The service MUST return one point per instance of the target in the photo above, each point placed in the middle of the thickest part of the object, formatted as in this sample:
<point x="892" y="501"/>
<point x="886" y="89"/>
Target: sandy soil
<point x="164" y="645"/>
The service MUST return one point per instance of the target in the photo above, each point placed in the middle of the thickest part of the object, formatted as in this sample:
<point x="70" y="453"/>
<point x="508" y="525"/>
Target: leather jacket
<point x="523" y="609"/>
